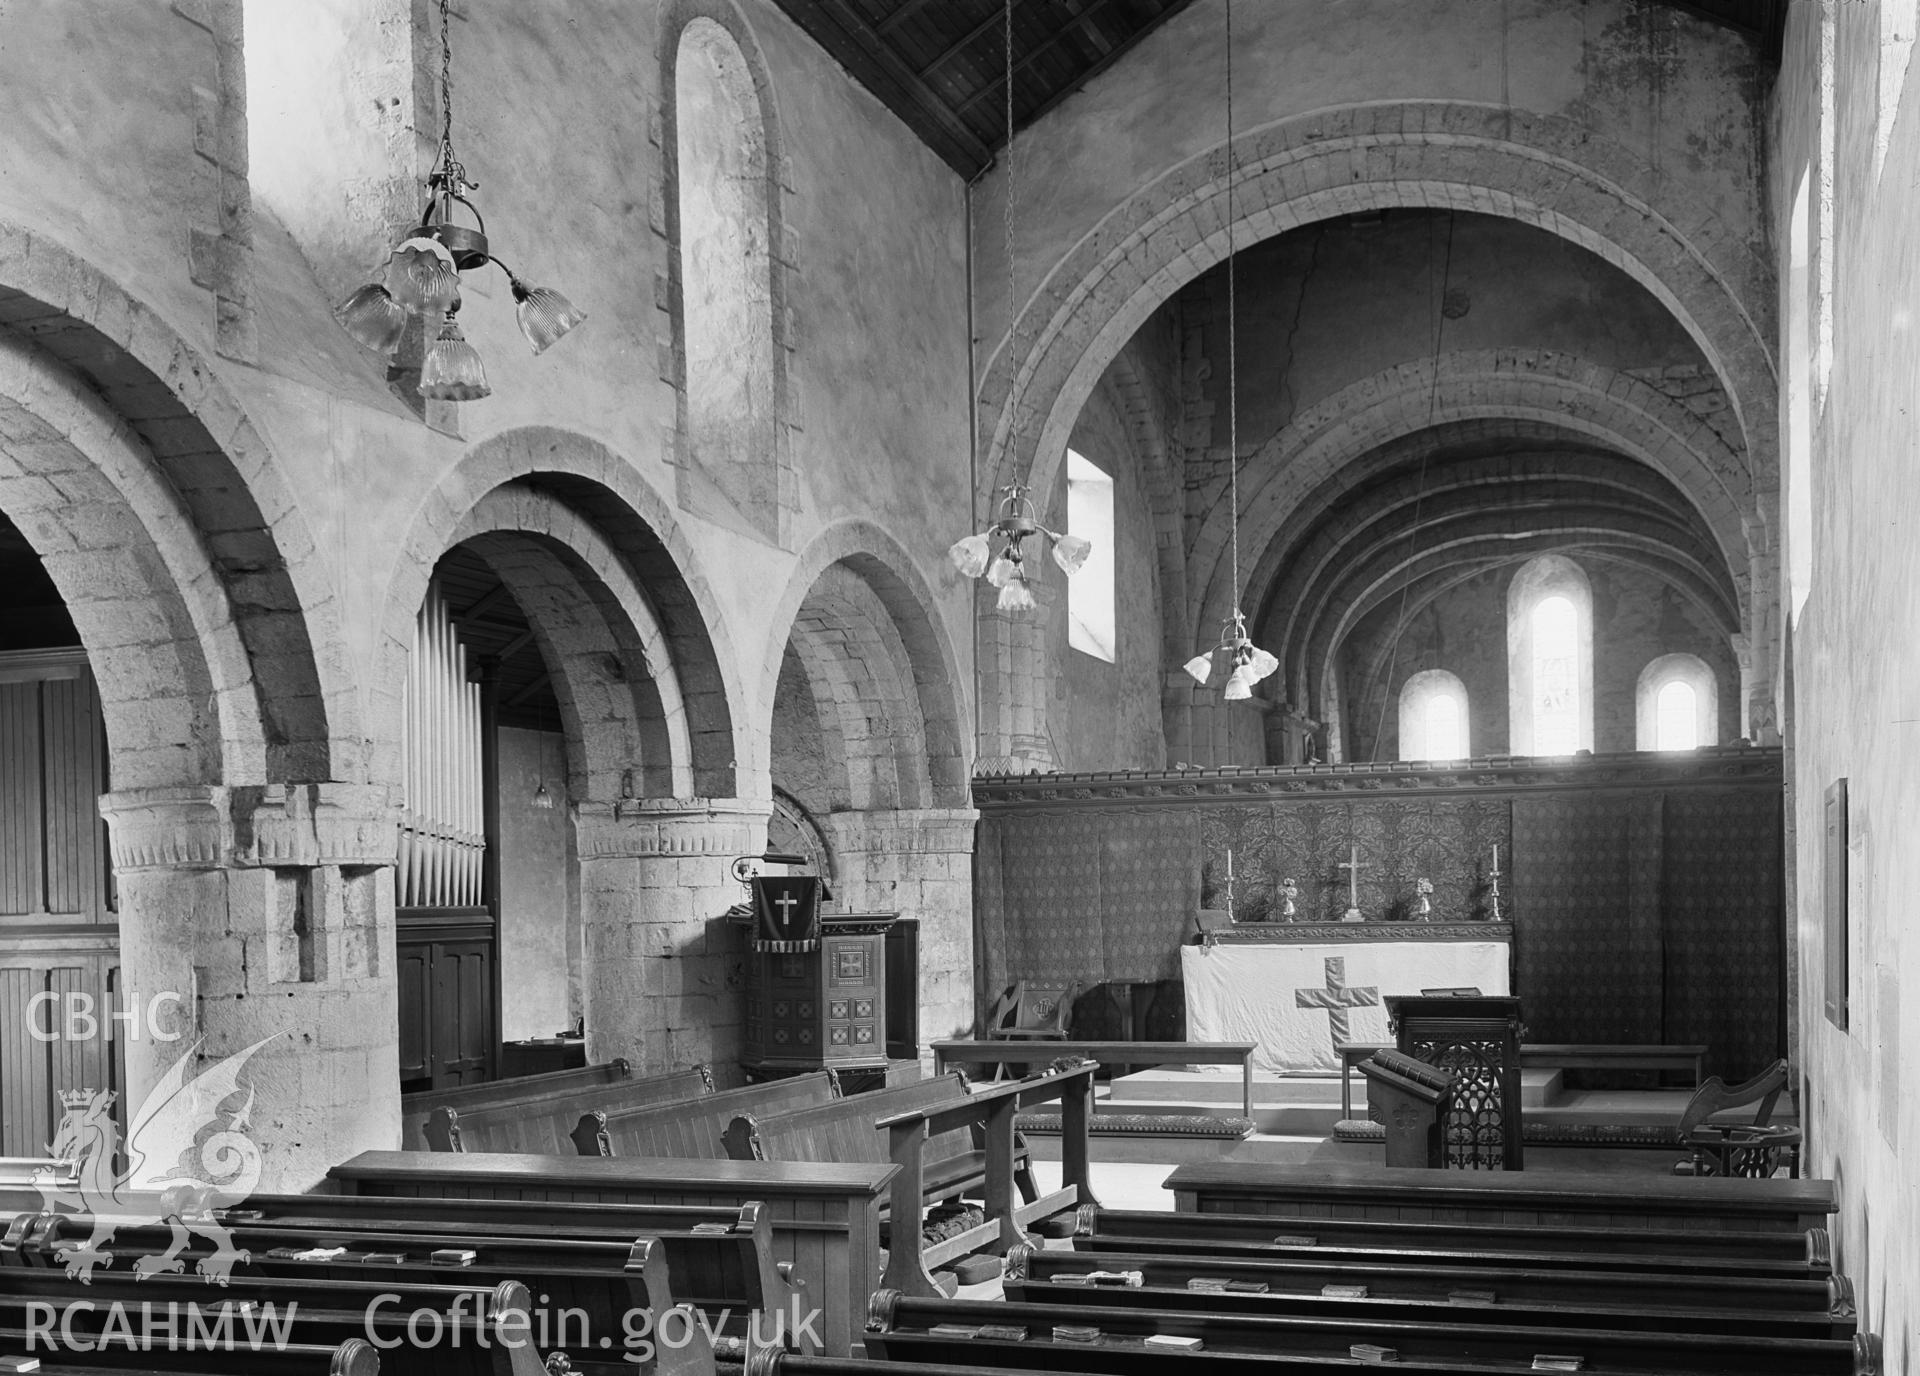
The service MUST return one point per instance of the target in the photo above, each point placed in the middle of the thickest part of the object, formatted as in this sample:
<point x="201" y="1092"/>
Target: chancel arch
<point x="1341" y="162"/>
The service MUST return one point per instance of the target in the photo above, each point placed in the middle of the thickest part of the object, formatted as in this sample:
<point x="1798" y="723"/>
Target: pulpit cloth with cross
<point x="786" y="914"/>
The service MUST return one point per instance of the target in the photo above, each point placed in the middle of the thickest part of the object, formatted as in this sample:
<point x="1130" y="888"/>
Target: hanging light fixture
<point x="1018" y="521"/>
<point x="1000" y="551"/>
<point x="1250" y="662"/>
<point x="422" y="276"/>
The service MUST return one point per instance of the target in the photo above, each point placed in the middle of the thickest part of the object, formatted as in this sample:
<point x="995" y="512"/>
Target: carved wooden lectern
<point x="1411" y="1100"/>
<point x="1477" y="1039"/>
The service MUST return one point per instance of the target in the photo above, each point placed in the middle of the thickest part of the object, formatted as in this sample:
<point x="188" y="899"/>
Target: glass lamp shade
<point x="541" y="797"/>
<point x="969" y="555"/>
<point x="421" y="276"/>
<point x="1002" y="571"/>
<point x="1200" y="667"/>
<point x="373" y="318"/>
<point x="1239" y="684"/>
<point x="452" y="370"/>
<point x="544" y="314"/>
<point x="1070" y="552"/>
<point x="1261" y="664"/>
<point x="1015" y="596"/>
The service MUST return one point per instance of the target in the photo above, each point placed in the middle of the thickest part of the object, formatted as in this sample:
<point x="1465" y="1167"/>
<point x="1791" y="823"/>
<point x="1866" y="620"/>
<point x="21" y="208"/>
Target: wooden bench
<point x="479" y="1330"/>
<point x="1414" y="1288"/>
<point x="415" y="1109"/>
<point x="1116" y="1053"/>
<point x="825" y="1219"/>
<point x="845" y="1130"/>
<point x="547" y="1123"/>
<point x="1688" y="1058"/>
<point x="352" y="1357"/>
<point x="988" y="1116"/>
<point x="695" y="1127"/>
<point x="721" y="1270"/>
<point x="1305" y="1191"/>
<point x="926" y="1332"/>
<point x="1540" y="1246"/>
<point x="720" y="1258"/>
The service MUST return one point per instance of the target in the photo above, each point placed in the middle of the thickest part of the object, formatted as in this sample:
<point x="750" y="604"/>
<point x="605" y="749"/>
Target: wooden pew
<point x="481" y="1330"/>
<point x="695" y="1127"/>
<point x="902" y="1328"/>
<point x="720" y="1270"/>
<point x="1417" y="1290"/>
<point x="1115" y="1053"/>
<point x="352" y="1357"/>
<point x="825" y="1218"/>
<point x="1310" y="1191"/>
<point x="989" y="1115"/>
<point x="720" y="1258"/>
<point x="415" y="1109"/>
<point x="845" y="1130"/>
<point x="1760" y="1255"/>
<point x="546" y="1125"/>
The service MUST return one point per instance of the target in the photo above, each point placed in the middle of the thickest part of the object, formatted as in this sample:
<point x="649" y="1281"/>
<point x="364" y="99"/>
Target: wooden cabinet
<point x="446" y="995"/>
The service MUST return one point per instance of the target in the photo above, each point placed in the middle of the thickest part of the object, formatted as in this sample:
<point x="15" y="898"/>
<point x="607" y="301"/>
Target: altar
<point x="1299" y="990"/>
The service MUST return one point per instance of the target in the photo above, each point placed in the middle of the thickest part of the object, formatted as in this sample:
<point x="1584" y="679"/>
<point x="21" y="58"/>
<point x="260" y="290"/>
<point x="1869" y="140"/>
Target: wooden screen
<point x="59" y="946"/>
<point x="443" y="828"/>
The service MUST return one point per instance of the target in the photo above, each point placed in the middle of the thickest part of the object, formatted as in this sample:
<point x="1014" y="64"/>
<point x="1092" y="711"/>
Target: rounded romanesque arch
<point x="215" y="521"/>
<point x="881" y="668"/>
<point x="611" y="666"/>
<point x="1546" y="171"/>
<point x="579" y="497"/>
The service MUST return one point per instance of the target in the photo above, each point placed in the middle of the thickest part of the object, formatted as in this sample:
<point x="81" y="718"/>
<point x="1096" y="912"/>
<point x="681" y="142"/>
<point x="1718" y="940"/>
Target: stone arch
<point x="1557" y="394"/>
<point x="233" y="530"/>
<point x="745" y="447"/>
<point x="612" y="669"/>
<point x="866" y="623"/>
<point x="1547" y="171"/>
<point x="172" y="671"/>
<point x="595" y="504"/>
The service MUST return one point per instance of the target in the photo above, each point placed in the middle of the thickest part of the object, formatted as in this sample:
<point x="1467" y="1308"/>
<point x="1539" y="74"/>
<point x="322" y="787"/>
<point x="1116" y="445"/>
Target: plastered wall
<point x="1849" y="276"/>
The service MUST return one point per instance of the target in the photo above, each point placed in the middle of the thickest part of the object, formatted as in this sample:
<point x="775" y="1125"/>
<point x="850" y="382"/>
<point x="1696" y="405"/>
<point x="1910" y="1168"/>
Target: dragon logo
<point x="183" y="1163"/>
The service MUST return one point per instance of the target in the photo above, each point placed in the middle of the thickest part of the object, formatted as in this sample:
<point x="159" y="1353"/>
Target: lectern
<point x="1411" y="1099"/>
<point x="816" y="996"/>
<point x="1477" y="1039"/>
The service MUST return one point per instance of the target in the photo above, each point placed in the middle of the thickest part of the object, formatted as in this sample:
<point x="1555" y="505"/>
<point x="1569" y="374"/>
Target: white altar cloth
<point x="1298" y="1000"/>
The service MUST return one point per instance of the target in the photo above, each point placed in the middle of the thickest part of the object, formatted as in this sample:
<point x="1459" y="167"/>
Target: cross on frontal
<point x="786" y="903"/>
<point x="1337" y="998"/>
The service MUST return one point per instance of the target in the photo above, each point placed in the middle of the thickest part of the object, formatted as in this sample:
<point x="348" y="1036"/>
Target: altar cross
<point x="1353" y="865"/>
<point x="1337" y="998"/>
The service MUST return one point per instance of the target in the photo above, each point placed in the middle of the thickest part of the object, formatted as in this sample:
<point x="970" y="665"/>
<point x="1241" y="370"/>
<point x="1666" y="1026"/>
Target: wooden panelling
<point x="22" y="831"/>
<point x="53" y="768"/>
<point x="35" y="1070"/>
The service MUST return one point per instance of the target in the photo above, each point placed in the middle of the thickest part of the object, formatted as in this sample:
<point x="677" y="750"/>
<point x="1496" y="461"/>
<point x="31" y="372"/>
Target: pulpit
<point x="1477" y="1039"/>
<point x="816" y="993"/>
<point x="1411" y="1100"/>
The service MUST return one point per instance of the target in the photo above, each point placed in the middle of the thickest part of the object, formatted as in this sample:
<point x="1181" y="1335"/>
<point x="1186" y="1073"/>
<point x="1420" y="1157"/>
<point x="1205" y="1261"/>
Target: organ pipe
<point x="443" y="823"/>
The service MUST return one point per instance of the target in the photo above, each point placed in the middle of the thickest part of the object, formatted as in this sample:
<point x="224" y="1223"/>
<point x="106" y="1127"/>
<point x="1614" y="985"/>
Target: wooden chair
<point x="1753" y="1149"/>
<point x="1030" y="1013"/>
